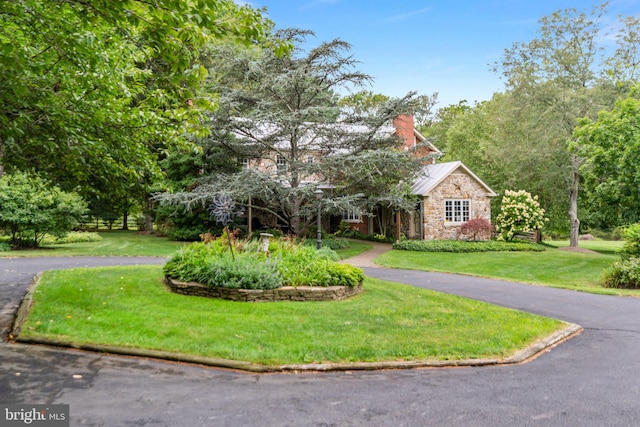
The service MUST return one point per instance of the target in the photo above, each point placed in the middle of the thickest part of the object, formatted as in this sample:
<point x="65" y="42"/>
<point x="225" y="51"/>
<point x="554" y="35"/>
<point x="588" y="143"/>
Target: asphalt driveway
<point x="591" y="380"/>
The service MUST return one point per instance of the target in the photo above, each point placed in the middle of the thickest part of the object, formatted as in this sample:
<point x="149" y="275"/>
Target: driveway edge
<point x="531" y="352"/>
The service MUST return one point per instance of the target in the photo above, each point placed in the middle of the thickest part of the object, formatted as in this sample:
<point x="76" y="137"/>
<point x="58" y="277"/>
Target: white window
<point x="456" y="211"/>
<point x="351" y="215"/>
<point x="244" y="163"/>
<point x="281" y="163"/>
<point x="311" y="159"/>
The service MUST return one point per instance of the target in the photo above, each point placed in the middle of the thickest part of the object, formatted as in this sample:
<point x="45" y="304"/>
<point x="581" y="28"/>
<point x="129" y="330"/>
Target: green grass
<point x="113" y="243"/>
<point x="602" y="246"/>
<point x="553" y="267"/>
<point x="132" y="243"/>
<point x="355" y="248"/>
<point x="129" y="306"/>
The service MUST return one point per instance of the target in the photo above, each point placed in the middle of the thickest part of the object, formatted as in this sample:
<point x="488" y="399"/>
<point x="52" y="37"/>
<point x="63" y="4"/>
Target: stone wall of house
<point x="286" y="293"/>
<point x="455" y="186"/>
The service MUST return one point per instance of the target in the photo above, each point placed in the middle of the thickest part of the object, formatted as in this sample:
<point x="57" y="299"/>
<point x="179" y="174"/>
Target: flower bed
<point x="243" y="265"/>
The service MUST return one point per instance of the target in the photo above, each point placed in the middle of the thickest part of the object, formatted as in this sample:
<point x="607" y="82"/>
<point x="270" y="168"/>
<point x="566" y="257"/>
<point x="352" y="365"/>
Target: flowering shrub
<point x="520" y="213"/>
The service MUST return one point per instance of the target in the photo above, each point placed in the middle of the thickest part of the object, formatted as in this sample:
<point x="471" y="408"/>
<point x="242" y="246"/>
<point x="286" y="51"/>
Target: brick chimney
<point x="404" y="126"/>
<point x="405" y="129"/>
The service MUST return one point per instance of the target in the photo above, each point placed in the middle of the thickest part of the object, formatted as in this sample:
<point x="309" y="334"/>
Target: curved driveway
<point x="590" y="380"/>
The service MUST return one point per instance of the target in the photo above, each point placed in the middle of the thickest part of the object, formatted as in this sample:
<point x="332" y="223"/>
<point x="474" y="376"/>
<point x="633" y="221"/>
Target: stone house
<point x="449" y="195"/>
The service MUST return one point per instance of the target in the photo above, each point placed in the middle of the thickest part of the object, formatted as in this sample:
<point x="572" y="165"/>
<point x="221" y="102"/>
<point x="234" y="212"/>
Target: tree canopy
<point x="610" y="147"/>
<point x="91" y="91"/>
<point x="280" y="116"/>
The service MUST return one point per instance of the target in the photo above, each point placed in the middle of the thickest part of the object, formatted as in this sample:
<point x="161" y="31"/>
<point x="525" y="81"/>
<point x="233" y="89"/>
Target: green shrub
<point x="344" y="274"/>
<point x="345" y="230"/>
<point x="212" y="265"/>
<point x="328" y="253"/>
<point x="329" y="241"/>
<point x="5" y="247"/>
<point x="461" y="246"/>
<point x="289" y="263"/>
<point x="631" y="237"/>
<point x="189" y="261"/>
<point x="623" y="274"/>
<point x="248" y="271"/>
<point x="72" y="237"/>
<point x="31" y="207"/>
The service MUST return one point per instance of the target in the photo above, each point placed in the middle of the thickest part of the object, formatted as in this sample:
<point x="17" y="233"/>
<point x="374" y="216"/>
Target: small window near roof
<point x="456" y="211"/>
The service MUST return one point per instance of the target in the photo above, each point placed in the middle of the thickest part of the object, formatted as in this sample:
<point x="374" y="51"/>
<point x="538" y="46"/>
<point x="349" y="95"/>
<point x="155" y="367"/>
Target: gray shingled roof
<point x="432" y="175"/>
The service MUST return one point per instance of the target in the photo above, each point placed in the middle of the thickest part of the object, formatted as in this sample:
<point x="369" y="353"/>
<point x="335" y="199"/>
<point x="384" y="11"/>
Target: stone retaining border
<point x="286" y="293"/>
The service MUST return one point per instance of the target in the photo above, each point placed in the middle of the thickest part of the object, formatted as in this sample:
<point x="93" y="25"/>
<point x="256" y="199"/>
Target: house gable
<point x="432" y="176"/>
<point x="451" y="195"/>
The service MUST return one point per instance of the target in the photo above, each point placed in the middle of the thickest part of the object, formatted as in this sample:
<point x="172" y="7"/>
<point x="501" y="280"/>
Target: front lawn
<point x="602" y="246"/>
<point x="133" y="243"/>
<point x="553" y="267"/>
<point x="130" y="307"/>
<point x="113" y="243"/>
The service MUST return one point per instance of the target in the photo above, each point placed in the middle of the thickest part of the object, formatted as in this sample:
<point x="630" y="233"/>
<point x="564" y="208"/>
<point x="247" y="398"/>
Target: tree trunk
<point x="148" y="219"/>
<point x="294" y="219"/>
<point x="573" y="207"/>
<point x="125" y="220"/>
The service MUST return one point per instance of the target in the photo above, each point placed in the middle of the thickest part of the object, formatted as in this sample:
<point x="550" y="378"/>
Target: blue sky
<point x="443" y="46"/>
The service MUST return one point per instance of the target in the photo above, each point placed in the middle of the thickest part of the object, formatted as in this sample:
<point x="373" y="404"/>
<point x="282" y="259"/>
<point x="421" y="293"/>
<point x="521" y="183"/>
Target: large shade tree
<point x="91" y="91"/>
<point x="281" y="116"/>
<point x="610" y="147"/>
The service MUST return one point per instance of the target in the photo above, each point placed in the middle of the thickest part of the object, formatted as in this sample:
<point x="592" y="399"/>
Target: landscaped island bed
<point x="131" y="307"/>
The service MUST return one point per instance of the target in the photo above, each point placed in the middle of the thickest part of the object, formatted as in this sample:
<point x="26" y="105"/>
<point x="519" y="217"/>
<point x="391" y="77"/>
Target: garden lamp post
<point x="318" y="194"/>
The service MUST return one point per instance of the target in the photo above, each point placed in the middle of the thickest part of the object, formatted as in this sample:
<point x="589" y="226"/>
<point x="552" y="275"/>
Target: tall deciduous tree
<point x="509" y="146"/>
<point x="557" y="70"/>
<point x="611" y="149"/>
<point x="91" y="90"/>
<point x="281" y="114"/>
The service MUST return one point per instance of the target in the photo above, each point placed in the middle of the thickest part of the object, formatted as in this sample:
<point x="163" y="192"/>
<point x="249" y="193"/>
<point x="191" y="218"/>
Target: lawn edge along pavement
<point x="527" y="354"/>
